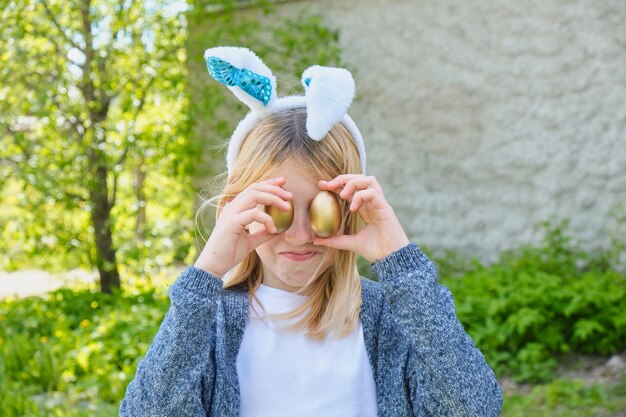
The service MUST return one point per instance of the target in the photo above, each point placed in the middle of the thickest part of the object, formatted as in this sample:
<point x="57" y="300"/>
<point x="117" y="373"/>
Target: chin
<point x="297" y="279"/>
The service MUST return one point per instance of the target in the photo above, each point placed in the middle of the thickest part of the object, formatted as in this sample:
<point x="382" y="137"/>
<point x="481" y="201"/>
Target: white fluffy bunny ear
<point x="329" y="93"/>
<point x="244" y="73"/>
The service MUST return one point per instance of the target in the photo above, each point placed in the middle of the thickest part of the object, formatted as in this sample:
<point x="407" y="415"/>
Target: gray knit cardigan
<point x="423" y="361"/>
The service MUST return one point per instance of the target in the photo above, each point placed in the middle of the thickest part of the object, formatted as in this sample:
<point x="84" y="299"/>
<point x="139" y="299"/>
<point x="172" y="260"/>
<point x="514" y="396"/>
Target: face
<point x="280" y="270"/>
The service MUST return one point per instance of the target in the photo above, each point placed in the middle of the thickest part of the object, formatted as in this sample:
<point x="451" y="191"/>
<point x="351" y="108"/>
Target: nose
<point x="300" y="232"/>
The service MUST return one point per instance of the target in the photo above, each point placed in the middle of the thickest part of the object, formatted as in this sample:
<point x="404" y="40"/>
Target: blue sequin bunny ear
<point x="244" y="73"/>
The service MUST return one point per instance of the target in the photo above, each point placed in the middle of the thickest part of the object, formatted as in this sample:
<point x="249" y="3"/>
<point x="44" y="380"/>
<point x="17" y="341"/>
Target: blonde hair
<point x="335" y="296"/>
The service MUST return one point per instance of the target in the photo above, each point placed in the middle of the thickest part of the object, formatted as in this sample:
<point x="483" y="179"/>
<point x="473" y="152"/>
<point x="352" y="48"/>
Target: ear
<point x="329" y="93"/>
<point x="244" y="73"/>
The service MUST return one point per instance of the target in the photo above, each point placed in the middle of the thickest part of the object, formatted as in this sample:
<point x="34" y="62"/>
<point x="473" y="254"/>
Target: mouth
<point x="300" y="256"/>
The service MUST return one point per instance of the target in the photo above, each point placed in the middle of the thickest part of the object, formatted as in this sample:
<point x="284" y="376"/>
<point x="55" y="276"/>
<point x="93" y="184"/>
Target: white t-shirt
<point x="287" y="374"/>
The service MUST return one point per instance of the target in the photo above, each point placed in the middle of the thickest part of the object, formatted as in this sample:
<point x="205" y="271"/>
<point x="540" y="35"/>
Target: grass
<point x="568" y="398"/>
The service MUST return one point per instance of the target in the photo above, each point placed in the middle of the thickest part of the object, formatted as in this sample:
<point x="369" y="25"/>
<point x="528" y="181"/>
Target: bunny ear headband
<point x="329" y="93"/>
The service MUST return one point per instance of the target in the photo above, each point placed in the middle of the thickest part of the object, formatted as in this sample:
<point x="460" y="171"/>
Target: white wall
<point x="484" y="118"/>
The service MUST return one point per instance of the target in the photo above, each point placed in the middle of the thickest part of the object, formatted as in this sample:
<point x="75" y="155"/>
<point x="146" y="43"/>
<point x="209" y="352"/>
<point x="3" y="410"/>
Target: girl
<point x="271" y="322"/>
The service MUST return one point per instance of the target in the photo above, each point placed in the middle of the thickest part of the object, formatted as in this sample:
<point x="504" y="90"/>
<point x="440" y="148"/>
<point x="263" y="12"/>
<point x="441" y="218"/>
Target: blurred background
<point x="497" y="129"/>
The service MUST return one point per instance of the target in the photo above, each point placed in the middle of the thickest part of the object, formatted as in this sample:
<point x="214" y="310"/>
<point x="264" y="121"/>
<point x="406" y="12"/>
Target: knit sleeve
<point x="446" y="373"/>
<point x="172" y="378"/>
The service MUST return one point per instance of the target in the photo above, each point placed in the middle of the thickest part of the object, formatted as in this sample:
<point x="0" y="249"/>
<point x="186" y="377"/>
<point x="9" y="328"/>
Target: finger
<point x="344" y="242"/>
<point x="367" y="196"/>
<point x="256" y="197"/>
<point x="261" y="237"/>
<point x="278" y="179"/>
<point x="359" y="179"/>
<point x="255" y="215"/>
<point x="274" y="188"/>
<point x="269" y="186"/>
<point x="278" y="191"/>
<point x="338" y="181"/>
<point x="272" y="185"/>
<point x="357" y="183"/>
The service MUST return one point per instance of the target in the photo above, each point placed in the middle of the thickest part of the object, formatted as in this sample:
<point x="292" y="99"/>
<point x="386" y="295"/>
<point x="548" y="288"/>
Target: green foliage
<point x="363" y="265"/>
<point x="92" y="95"/>
<point x="77" y="346"/>
<point x="567" y="398"/>
<point x="539" y="302"/>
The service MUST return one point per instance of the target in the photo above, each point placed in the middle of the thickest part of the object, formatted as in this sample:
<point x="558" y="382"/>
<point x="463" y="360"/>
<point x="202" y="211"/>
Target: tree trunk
<point x="101" y="219"/>
<point x="140" y="177"/>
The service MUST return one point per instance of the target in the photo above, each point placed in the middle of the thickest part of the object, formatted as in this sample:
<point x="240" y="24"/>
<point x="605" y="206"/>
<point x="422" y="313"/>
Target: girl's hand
<point x="230" y="242"/>
<point x="382" y="234"/>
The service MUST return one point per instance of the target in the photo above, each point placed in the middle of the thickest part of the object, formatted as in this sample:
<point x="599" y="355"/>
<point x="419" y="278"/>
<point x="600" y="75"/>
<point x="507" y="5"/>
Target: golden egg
<point x="282" y="219"/>
<point x="325" y="214"/>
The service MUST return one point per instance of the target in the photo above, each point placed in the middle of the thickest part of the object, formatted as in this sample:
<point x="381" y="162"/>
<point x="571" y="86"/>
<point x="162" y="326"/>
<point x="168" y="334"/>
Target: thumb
<point x="343" y="242"/>
<point x="261" y="237"/>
